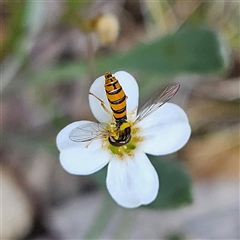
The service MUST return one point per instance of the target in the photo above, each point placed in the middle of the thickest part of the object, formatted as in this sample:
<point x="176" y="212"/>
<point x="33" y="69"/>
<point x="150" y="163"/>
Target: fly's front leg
<point x="133" y="111"/>
<point x="131" y="114"/>
<point x="102" y="103"/>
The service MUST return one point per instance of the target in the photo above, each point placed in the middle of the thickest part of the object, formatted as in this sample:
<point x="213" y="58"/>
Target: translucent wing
<point x="89" y="132"/>
<point x="156" y="101"/>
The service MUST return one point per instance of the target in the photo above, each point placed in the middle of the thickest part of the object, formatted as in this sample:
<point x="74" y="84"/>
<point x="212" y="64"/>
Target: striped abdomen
<point x="116" y="97"/>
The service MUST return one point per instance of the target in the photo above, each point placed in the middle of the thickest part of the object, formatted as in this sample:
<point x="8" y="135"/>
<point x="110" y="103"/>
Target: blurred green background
<point x="52" y="51"/>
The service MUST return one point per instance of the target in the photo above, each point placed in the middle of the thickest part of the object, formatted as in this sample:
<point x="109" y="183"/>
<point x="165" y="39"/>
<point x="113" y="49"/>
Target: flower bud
<point x="107" y="27"/>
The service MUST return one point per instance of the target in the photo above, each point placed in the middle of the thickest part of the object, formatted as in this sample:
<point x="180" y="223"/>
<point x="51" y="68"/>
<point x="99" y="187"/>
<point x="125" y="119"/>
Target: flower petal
<point x="132" y="181"/>
<point x="83" y="161"/>
<point x="165" y="131"/>
<point x="130" y="88"/>
<point x="81" y="157"/>
<point x="63" y="140"/>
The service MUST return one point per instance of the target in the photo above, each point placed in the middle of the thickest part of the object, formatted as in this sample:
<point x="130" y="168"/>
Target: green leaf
<point x="175" y="184"/>
<point x="189" y="50"/>
<point x="175" y="236"/>
<point x="185" y="51"/>
<point x="14" y="27"/>
<point x="52" y="75"/>
<point x="100" y="177"/>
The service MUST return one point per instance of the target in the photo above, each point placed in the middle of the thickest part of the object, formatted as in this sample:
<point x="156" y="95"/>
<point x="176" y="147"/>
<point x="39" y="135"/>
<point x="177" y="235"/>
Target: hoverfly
<point x="119" y="131"/>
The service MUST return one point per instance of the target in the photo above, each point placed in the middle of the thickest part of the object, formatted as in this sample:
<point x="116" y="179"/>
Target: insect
<point x="117" y="101"/>
<point x="118" y="132"/>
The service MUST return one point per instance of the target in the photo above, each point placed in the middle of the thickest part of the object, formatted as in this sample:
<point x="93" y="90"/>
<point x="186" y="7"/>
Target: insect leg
<point x="102" y="104"/>
<point x="133" y="111"/>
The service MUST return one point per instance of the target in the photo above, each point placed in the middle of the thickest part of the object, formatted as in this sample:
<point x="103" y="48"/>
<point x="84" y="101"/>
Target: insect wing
<point x="156" y="101"/>
<point x="89" y="132"/>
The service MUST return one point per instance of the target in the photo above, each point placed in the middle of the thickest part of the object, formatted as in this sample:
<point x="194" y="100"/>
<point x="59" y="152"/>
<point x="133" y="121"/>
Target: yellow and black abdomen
<point x="117" y="100"/>
<point x="116" y="97"/>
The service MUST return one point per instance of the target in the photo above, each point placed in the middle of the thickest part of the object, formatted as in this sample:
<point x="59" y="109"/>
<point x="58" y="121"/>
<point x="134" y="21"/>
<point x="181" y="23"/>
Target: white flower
<point x="131" y="178"/>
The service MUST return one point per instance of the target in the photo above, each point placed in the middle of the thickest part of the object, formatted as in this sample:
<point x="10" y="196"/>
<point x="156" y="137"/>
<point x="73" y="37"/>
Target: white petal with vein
<point x="165" y="131"/>
<point x="84" y="161"/>
<point x="132" y="181"/>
